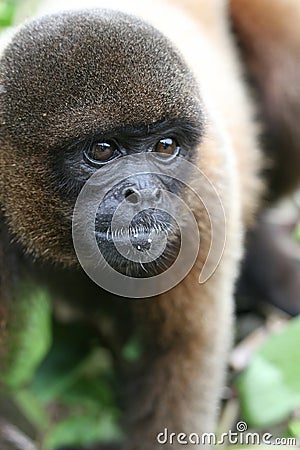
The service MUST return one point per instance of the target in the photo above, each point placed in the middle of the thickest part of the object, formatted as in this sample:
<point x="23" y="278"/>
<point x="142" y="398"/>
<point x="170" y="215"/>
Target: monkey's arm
<point x="190" y="330"/>
<point x="269" y="38"/>
<point x="268" y="32"/>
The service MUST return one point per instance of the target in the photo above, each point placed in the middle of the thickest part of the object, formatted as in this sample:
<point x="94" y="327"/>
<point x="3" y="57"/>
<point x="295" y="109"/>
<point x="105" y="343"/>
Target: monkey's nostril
<point x="132" y="196"/>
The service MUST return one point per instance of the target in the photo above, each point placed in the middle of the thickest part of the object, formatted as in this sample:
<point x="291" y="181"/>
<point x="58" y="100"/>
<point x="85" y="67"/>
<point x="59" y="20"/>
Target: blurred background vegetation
<point x="13" y="12"/>
<point x="60" y="385"/>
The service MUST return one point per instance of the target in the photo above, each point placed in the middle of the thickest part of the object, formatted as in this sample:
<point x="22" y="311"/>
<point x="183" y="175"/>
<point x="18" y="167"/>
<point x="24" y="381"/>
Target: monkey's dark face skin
<point x="78" y="91"/>
<point x="143" y="193"/>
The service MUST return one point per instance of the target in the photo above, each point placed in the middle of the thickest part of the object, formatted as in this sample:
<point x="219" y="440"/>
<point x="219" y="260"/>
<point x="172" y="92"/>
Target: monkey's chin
<point x="116" y="249"/>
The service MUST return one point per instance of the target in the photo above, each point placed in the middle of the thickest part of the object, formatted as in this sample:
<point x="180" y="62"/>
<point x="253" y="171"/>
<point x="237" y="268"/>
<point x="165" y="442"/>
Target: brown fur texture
<point x="49" y="70"/>
<point x="82" y="73"/>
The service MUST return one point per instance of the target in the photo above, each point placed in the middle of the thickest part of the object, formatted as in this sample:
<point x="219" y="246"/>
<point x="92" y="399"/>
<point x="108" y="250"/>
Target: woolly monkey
<point x="80" y="92"/>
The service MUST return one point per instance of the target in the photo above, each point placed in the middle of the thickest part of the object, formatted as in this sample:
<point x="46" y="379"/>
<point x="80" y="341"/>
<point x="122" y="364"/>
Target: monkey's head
<point x="79" y="92"/>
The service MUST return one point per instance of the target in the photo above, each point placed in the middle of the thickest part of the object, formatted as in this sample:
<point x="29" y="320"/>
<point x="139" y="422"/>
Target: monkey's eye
<point x="167" y="147"/>
<point x="100" y="153"/>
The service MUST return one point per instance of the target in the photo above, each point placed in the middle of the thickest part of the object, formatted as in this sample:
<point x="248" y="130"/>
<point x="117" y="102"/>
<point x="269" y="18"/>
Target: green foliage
<point x="297" y="232"/>
<point x="74" y="384"/>
<point x="133" y="350"/>
<point x="294" y="429"/>
<point x="13" y="12"/>
<point x="58" y="374"/>
<point x="32" y="408"/>
<point x="83" y="430"/>
<point x="270" y="388"/>
<point x="7" y="12"/>
<point x="30" y="336"/>
<point x="67" y="390"/>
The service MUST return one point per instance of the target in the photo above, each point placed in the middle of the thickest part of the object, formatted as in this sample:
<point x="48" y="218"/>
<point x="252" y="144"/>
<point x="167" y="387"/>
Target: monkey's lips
<point x="116" y="247"/>
<point x="141" y="239"/>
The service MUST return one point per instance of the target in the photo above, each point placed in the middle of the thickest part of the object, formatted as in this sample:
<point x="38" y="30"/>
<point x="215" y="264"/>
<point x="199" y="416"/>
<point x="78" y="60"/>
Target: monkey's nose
<point x="136" y="196"/>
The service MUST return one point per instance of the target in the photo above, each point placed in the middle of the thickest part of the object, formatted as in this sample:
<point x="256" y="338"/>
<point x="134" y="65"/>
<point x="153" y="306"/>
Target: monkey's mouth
<point x="141" y="239"/>
<point x="147" y="247"/>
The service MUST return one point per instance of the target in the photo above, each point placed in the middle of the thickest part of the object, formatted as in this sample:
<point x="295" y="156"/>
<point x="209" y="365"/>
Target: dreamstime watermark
<point x="121" y="232"/>
<point x="238" y="437"/>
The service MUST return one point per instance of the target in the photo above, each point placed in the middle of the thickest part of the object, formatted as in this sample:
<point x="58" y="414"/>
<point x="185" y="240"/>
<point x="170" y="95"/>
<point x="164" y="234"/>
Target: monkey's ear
<point x="269" y="36"/>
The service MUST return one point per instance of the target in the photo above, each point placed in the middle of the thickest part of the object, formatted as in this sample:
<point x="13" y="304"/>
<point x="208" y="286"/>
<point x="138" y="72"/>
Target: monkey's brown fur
<point x="59" y="84"/>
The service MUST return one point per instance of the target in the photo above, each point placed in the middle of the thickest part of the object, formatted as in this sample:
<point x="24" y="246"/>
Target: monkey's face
<point x="136" y="196"/>
<point x="79" y="92"/>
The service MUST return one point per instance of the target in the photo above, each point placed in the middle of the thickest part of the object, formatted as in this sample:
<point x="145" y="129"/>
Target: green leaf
<point x="297" y="232"/>
<point x="94" y="393"/>
<point x="7" y="12"/>
<point x="32" y="409"/>
<point x="133" y="350"/>
<point x="82" y="430"/>
<point x="294" y="428"/>
<point x="71" y="357"/>
<point x="270" y="388"/>
<point x="30" y="336"/>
